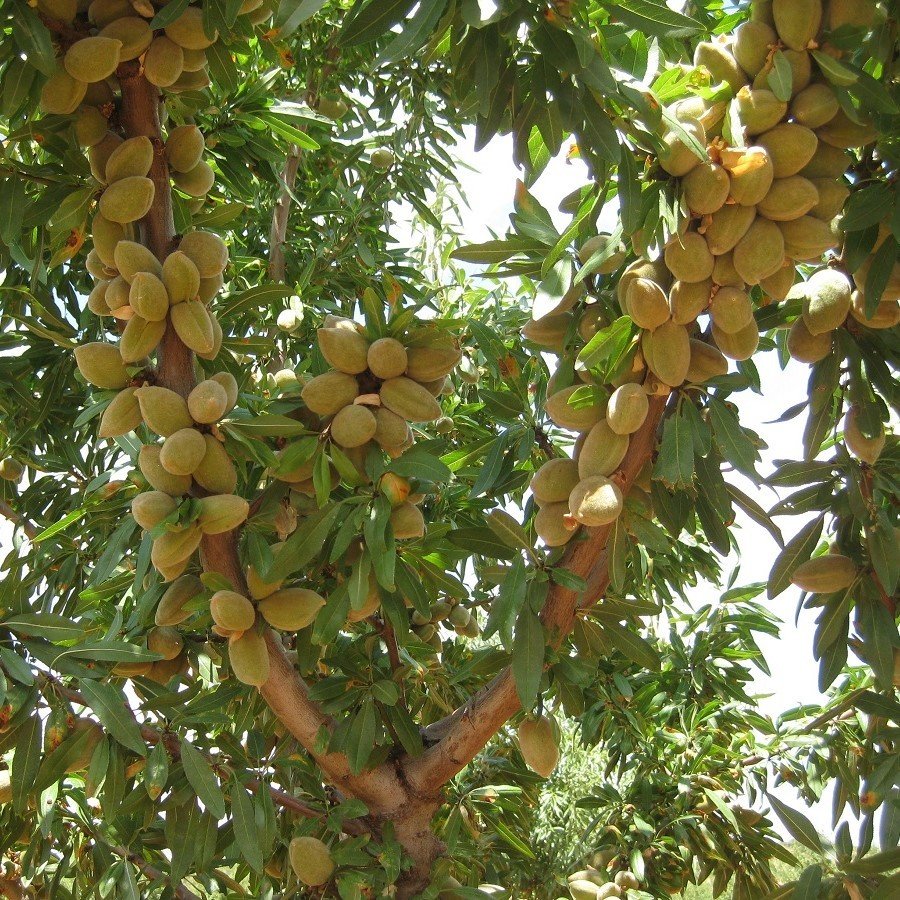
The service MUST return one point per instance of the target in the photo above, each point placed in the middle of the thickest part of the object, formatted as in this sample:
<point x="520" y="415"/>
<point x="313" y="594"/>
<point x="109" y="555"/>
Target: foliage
<point x="140" y="758"/>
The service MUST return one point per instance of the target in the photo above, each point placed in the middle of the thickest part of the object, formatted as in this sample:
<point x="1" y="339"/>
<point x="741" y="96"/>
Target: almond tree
<point x="306" y="521"/>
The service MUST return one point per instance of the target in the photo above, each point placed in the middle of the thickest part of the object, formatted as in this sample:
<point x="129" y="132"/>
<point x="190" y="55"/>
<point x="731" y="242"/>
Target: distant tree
<point x="232" y="402"/>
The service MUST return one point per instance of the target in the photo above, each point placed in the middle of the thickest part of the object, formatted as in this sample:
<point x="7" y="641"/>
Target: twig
<point x="152" y="872"/>
<point x="18" y="519"/>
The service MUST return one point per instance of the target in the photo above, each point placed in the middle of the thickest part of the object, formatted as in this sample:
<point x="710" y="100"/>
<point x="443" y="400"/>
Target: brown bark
<point x="278" y="231"/>
<point x="465" y="732"/>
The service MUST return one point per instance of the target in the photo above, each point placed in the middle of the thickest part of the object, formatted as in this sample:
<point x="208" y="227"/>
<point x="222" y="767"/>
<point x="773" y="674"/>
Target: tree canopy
<point x="331" y="535"/>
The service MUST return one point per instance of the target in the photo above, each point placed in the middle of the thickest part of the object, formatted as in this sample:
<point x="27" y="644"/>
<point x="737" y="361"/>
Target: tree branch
<point x="17" y="519"/>
<point x="285" y="691"/>
<point x="152" y="872"/>
<point x="466" y="731"/>
<point x="278" y="231"/>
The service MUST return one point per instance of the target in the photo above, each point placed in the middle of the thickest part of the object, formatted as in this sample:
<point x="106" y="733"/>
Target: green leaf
<point x="528" y="656"/>
<point x="373" y="20"/>
<point x="808" y="883"/>
<point x="293" y="13"/>
<point x="169" y="13"/>
<point x="781" y="78"/>
<point x="362" y="736"/>
<point x="755" y="512"/>
<point x="879" y="633"/>
<point x="834" y="70"/>
<point x="50" y="626"/>
<point x="420" y="462"/>
<point x="731" y="439"/>
<point x="26" y="761"/>
<point x="505" y="608"/>
<point x="200" y="777"/>
<point x="797" y="552"/>
<point x="33" y="38"/>
<point x="650" y="17"/>
<point x="605" y="343"/>
<point x="797" y="825"/>
<point x="493" y="252"/>
<point x="630" y="644"/>
<point x="878" y="705"/>
<point x="303" y="545"/>
<point x="416" y="32"/>
<point x="12" y="209"/>
<point x="246" y="834"/>
<point x="267" y="425"/>
<point x="481" y="541"/>
<point x="56" y="527"/>
<point x="108" y="702"/>
<point x="675" y="463"/>
<point x="156" y="773"/>
<point x="508" y="530"/>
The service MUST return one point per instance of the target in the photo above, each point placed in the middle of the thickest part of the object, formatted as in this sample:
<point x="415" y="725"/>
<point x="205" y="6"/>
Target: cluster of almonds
<point x="111" y="32"/>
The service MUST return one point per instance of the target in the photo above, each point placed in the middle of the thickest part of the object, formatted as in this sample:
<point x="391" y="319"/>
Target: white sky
<point x="490" y="189"/>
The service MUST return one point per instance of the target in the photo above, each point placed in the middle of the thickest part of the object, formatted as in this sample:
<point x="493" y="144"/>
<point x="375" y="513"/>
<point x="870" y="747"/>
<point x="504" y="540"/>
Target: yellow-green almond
<point x="163" y="62"/>
<point x="62" y="93"/>
<point x="101" y="365"/>
<point x="170" y="610"/>
<point x="134" y="33"/>
<point x="222" y="512"/>
<point x="207" y="402"/>
<point x="148" y="297"/>
<point x="182" y="452"/>
<point x="93" y="58"/>
<point x="196" y="182"/>
<point x="229" y="383"/>
<point x="150" y="508"/>
<point x="193" y="325"/>
<point x="158" y="478"/>
<point x="122" y="416"/>
<point x="181" y="278"/>
<point x="164" y="411"/>
<point x="90" y="126"/>
<point x="207" y="251"/>
<point x="627" y="408"/>
<point x="140" y="338"/>
<point x="106" y="236"/>
<point x="407" y="398"/>
<point x="188" y="30"/>
<point x="232" y="611"/>
<point x="131" y="257"/>
<point x="127" y="200"/>
<point x="249" y="658"/>
<point x="216" y="473"/>
<point x="133" y="157"/>
<point x="291" y="609"/>
<point x="174" y="547"/>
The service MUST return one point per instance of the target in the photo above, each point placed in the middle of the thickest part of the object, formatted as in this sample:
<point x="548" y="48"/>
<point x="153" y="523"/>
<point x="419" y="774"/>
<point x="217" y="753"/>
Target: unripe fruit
<point x="790" y="147"/>
<point x="688" y="300"/>
<point x="148" y="297"/>
<point x="164" y="411"/>
<point x="194" y="60"/>
<point x="191" y="81"/>
<point x="627" y="409"/>
<point x="706" y="362"/>
<point x="232" y="611"/>
<point x="163" y="62"/>
<point x="886" y="315"/>
<point x="724" y="273"/>
<point x="165" y="641"/>
<point x="151" y="507"/>
<point x="575" y="418"/>
<point x="157" y="477"/>
<point x="127" y="200"/>
<point x="739" y="346"/>
<point x="717" y="58"/>
<point x="387" y="358"/>
<point x="806" y="347"/>
<point x="133" y="32"/>
<point x="188" y="31"/>
<point x="207" y="251"/>
<point x="61" y="10"/>
<point x="727" y="227"/>
<point x="93" y="58"/>
<point x="537" y="742"/>
<point x="343" y="349"/>
<point x="594" y="245"/>
<point x="789" y="198"/>
<point x="193" y="325"/>
<point x="815" y="105"/>
<point x="825" y="574"/>
<point x="391" y="430"/>
<point x="131" y="257"/>
<point x="654" y="270"/>
<point x="778" y="285"/>
<point x="853" y="13"/>
<point x="249" y="658"/>
<point x="554" y="481"/>
<point x="434" y="359"/>
<point x="100" y="153"/>
<point x="602" y="451"/>
<point x="175" y="547"/>
<point x="327" y="394"/>
<point x="229" y="383"/>
<point x="170" y="610"/>
<point x="62" y="93"/>
<point x="90" y="126"/>
<point x="827" y="162"/>
<point x="96" y="301"/>
<point x="216" y="472"/>
<point x="826" y="300"/>
<point x="553" y="526"/>
<point x="759" y="110"/>
<point x="132" y="158"/>
<point x="752" y="41"/>
<point x="868" y="449"/>
<point x="407" y="521"/>
<point x="311" y="860"/>
<point x="288" y="320"/>
<point x="11" y="469"/>
<point x="550" y="332"/>
<point x="798" y="21"/>
<point x="331" y="108"/>
<point x="807" y="238"/>
<point x="196" y="182"/>
<point x="832" y="197"/>
<point x="180" y="277"/>
<point x="184" y="148"/>
<point x="382" y="160"/>
<point x="667" y="352"/>
<point x="122" y="415"/>
<point x="760" y="252"/>
<point x="731" y="309"/>
<point x="291" y="609"/>
<point x="101" y="365"/>
<point x="676" y="157"/>
<point x="646" y="303"/>
<point x="410" y="400"/>
<point x="689" y="258"/>
<point x="595" y="501"/>
<point x="102" y="12"/>
<point x="706" y="188"/>
<point x="106" y="236"/>
<point x="353" y="426"/>
<point x="207" y="402"/>
<point x="182" y="452"/>
<point x="751" y="174"/>
<point x="843" y="133"/>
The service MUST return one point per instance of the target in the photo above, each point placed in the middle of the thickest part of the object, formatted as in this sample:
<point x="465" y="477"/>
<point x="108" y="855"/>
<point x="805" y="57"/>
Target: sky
<point x="489" y="183"/>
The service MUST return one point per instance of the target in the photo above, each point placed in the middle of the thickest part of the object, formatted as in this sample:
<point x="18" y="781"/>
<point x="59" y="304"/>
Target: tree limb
<point x="17" y="519"/>
<point x="152" y="872"/>
<point x="466" y="731"/>
<point x="278" y="231"/>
